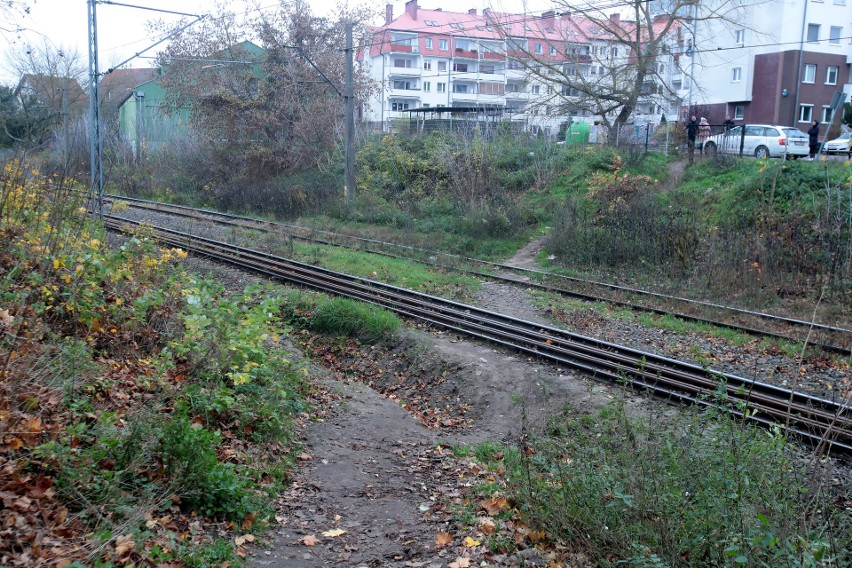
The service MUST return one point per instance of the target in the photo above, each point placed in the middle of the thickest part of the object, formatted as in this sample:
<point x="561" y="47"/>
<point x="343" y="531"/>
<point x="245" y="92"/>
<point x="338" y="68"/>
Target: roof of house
<point x="50" y="89"/>
<point x="554" y="29"/>
<point x="117" y="86"/>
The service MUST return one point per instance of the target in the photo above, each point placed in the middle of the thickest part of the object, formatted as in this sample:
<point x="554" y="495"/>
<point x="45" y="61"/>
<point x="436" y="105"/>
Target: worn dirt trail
<point x="371" y="467"/>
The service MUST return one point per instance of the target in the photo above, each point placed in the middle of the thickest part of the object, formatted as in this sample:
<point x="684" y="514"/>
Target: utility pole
<point x="96" y="141"/>
<point x="349" y="143"/>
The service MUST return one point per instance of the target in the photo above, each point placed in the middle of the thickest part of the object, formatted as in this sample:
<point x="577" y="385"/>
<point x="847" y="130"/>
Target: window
<point x="834" y="33"/>
<point x="614" y="52"/>
<point x="538" y="49"/>
<point x="461" y="88"/>
<point x="442" y="66"/>
<point x="552" y="50"/>
<point x="739" y="112"/>
<point x="813" y="33"/>
<point x="806" y="113"/>
<point x="441" y="88"/>
<point x="427" y="87"/>
<point x="442" y="44"/>
<point x="809" y="74"/>
<point x="739" y="37"/>
<point x="547" y="110"/>
<point x="426" y="105"/>
<point x="831" y="75"/>
<point x="487" y="69"/>
<point x="402" y="63"/>
<point x="536" y="89"/>
<point x="428" y="43"/>
<point x="427" y="64"/>
<point x="405" y="85"/>
<point x="826" y="114"/>
<point x="460" y="67"/>
<point x="736" y="74"/>
<point x="399" y="106"/>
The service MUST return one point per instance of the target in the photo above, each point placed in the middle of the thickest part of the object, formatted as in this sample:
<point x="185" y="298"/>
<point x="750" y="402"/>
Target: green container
<point x="577" y="133"/>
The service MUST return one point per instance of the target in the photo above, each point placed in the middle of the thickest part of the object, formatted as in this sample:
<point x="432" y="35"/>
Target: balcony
<point x="402" y="48"/>
<point x="466" y="54"/>
<point x="404" y="72"/>
<point x="494" y="56"/>
<point x="464" y="97"/>
<point x="404" y="93"/>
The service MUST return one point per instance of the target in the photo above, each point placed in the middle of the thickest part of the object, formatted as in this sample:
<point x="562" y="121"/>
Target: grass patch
<point x="362" y="321"/>
<point x="699" y="489"/>
<point x="398" y="272"/>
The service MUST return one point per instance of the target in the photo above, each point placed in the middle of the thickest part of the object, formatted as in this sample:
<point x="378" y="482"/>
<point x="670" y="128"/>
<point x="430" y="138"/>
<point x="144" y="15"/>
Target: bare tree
<point x="48" y="95"/>
<point x="266" y="111"/>
<point x="606" y="59"/>
<point x="11" y="13"/>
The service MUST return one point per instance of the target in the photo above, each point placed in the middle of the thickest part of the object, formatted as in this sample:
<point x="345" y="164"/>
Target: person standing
<point x="813" y="139"/>
<point x="728" y="124"/>
<point x="703" y="132"/>
<point x="691" y="135"/>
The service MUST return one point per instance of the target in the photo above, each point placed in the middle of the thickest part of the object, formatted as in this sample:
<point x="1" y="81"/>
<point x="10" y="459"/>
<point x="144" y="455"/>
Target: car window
<point x="736" y="131"/>
<point x="794" y="133"/>
<point x="771" y="132"/>
<point x="754" y="130"/>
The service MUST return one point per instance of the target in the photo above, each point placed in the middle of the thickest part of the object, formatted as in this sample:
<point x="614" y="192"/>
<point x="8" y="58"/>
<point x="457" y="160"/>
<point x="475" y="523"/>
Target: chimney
<point x="472" y="11"/>
<point x="388" y="13"/>
<point x="566" y="16"/>
<point x="549" y="18"/>
<point x="615" y="18"/>
<point x="411" y="9"/>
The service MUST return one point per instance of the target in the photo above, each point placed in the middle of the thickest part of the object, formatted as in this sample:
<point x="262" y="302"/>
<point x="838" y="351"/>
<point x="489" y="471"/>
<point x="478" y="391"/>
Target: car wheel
<point x="761" y="152"/>
<point x="710" y="148"/>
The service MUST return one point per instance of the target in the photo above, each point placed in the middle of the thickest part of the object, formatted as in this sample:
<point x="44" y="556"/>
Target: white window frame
<point x="539" y="49"/>
<point x="443" y="44"/>
<point x="828" y="73"/>
<point x="834" y="35"/>
<point x="739" y="112"/>
<point x="427" y="87"/>
<point x="826" y="114"/>
<point x="736" y="74"/>
<point x="428" y="43"/>
<point x="806" y="113"/>
<point x="441" y="88"/>
<point x="427" y="64"/>
<point x="536" y="89"/>
<point x="809" y="78"/>
<point x="739" y="37"/>
<point x="442" y="66"/>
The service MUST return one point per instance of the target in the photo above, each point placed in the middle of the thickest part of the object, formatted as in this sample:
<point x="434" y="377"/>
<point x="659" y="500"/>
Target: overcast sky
<point x="121" y="30"/>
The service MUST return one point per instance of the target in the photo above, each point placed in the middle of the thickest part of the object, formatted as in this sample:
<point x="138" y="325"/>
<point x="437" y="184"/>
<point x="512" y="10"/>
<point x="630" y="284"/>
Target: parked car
<point x="761" y="141"/>
<point x="841" y="145"/>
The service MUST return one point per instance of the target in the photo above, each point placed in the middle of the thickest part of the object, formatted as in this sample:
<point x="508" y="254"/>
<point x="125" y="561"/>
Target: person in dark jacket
<point x="813" y="139"/>
<point x="691" y="134"/>
<point x="728" y="124"/>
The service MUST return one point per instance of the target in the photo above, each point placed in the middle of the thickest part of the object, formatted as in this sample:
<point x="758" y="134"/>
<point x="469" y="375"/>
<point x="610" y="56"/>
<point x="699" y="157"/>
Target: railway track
<point x="832" y="339"/>
<point x="823" y="423"/>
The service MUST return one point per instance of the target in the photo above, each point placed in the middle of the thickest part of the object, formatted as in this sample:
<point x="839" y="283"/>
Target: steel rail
<point x="812" y="418"/>
<point x="191" y="212"/>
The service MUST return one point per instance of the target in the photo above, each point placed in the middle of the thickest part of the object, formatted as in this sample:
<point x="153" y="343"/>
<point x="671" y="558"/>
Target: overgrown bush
<point x="101" y="345"/>
<point x="699" y="490"/>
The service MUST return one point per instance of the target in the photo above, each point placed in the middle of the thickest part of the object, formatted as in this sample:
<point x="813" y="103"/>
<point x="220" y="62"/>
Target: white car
<point x="840" y="145"/>
<point x="761" y="141"/>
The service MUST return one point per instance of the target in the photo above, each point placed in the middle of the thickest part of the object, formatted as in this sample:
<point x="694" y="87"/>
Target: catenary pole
<point x="349" y="143"/>
<point x="95" y="136"/>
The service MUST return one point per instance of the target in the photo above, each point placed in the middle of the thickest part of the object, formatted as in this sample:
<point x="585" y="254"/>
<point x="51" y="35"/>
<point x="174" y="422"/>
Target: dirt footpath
<point x="374" y="490"/>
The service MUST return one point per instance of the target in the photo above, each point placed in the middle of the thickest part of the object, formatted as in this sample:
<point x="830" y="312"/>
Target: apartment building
<point x="776" y="61"/>
<point x="434" y="58"/>
<point x="771" y="61"/>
